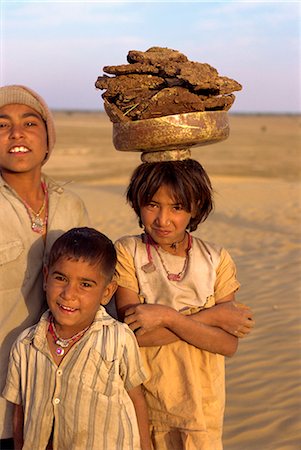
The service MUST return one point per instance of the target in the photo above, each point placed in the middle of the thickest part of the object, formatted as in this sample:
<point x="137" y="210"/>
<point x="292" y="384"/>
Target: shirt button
<point x="56" y="401"/>
<point x="59" y="372"/>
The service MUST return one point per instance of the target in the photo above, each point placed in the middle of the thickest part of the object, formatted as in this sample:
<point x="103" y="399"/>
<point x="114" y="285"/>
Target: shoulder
<point x="129" y="243"/>
<point x="29" y="333"/>
<point x="66" y="209"/>
<point x="106" y="320"/>
<point x="219" y="255"/>
<point x="129" y="239"/>
<point x="225" y="261"/>
<point x="210" y="246"/>
<point x="127" y="338"/>
<point x="25" y="337"/>
<point x="60" y="189"/>
<point x="115" y="335"/>
<point x="2" y="183"/>
<point x="212" y="250"/>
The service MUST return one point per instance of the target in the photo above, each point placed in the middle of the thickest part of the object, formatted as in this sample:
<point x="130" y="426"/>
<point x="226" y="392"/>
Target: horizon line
<point x="93" y="111"/>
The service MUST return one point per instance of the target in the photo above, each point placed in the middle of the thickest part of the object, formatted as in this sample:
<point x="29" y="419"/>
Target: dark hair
<point x="187" y="179"/>
<point x="87" y="244"/>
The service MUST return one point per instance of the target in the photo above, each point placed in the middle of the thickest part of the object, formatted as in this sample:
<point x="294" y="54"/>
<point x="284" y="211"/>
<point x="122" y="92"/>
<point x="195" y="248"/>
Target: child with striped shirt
<point x="75" y="377"/>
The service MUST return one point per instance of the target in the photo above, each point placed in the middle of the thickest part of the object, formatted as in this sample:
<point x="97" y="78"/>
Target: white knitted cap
<point x="22" y="95"/>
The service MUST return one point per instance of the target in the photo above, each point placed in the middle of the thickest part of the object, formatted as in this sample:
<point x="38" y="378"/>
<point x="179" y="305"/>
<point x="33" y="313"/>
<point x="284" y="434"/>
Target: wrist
<point x="211" y="316"/>
<point x="170" y="317"/>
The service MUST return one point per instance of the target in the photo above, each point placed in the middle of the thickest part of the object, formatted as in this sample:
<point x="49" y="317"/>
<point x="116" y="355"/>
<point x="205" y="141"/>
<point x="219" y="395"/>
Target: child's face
<point x="163" y="219"/>
<point x="74" y="290"/>
<point x="23" y="139"/>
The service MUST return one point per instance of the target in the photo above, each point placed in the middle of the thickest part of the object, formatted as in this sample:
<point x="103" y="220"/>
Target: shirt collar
<point x="102" y="318"/>
<point x="51" y="184"/>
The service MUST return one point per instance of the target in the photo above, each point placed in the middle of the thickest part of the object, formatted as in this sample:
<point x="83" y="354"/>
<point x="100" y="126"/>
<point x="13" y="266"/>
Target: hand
<point x="143" y="318"/>
<point x="235" y="318"/>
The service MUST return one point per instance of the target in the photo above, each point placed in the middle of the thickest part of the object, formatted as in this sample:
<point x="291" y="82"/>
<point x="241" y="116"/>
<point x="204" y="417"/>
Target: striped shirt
<point x="85" y="397"/>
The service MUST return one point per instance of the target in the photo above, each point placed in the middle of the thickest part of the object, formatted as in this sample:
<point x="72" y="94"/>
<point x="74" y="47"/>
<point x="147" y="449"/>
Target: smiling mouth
<point x="20" y="149"/>
<point x="67" y="308"/>
<point x="162" y="232"/>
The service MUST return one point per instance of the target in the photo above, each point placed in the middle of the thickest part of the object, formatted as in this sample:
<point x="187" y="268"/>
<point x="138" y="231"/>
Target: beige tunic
<point x="186" y="388"/>
<point x="21" y="259"/>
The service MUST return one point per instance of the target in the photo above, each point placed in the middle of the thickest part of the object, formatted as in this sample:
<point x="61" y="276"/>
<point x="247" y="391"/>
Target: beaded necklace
<point x="150" y="266"/>
<point x="38" y="225"/>
<point x="63" y="343"/>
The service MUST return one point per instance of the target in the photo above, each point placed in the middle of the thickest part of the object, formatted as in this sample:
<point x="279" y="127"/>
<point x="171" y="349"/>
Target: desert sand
<point x="256" y="177"/>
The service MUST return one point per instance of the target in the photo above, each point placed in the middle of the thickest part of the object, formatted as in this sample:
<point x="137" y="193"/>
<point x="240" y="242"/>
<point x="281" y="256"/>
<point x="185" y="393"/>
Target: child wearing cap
<point x="34" y="212"/>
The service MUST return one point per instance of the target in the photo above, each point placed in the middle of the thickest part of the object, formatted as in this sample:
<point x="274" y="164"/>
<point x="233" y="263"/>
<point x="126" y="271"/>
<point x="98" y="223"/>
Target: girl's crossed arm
<point x="161" y="325"/>
<point x="233" y="317"/>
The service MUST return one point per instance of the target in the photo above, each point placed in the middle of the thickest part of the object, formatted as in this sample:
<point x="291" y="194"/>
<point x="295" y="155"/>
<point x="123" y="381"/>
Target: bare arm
<point x="233" y="317"/>
<point x="139" y="402"/>
<point x="145" y="318"/>
<point x="229" y="315"/>
<point x="160" y="325"/>
<point x="126" y="298"/>
<point x="18" y="422"/>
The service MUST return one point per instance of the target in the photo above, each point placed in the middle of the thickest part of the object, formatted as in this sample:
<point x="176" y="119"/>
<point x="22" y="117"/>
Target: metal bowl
<point x="175" y="132"/>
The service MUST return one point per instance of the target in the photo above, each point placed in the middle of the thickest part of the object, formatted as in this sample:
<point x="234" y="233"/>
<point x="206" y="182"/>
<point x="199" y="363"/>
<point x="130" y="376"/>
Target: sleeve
<point x="125" y="273"/>
<point x="226" y="281"/>
<point x="72" y="210"/>
<point x="12" y="389"/>
<point x="131" y="369"/>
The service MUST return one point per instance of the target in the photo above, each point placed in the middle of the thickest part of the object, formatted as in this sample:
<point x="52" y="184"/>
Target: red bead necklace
<point x="150" y="266"/>
<point x="63" y="343"/>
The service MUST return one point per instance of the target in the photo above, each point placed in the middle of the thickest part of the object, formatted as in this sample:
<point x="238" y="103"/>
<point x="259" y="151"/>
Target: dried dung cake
<point x="161" y="82"/>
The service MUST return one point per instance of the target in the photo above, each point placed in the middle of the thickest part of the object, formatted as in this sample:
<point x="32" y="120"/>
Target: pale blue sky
<point x="59" y="48"/>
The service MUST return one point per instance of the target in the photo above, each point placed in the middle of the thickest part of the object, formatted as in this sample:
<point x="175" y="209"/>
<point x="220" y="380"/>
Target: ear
<point x="108" y="293"/>
<point x="45" y="275"/>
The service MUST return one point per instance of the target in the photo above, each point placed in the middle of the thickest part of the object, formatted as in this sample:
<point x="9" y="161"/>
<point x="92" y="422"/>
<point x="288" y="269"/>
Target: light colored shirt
<point x="22" y="252"/>
<point x="85" y="396"/>
<point x="210" y="274"/>
<point x="186" y="387"/>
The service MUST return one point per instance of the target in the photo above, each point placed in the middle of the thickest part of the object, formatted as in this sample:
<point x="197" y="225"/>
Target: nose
<point x="16" y="131"/>
<point x="69" y="292"/>
<point x="163" y="218"/>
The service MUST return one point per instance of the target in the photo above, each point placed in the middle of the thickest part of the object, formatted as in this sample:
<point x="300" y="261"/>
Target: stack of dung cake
<point x="162" y="104"/>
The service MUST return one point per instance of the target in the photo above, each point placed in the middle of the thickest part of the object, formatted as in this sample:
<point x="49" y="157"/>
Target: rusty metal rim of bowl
<point x="173" y="132"/>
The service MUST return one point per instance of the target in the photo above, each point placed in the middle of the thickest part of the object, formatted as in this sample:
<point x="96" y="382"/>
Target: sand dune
<point x="256" y="177"/>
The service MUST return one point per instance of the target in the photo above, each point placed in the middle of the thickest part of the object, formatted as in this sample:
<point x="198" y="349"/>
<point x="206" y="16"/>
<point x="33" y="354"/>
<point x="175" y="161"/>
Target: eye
<point x="59" y="277"/>
<point x="152" y="205"/>
<point x="3" y="124"/>
<point x="86" y="284"/>
<point x="31" y="124"/>
<point x="178" y="207"/>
